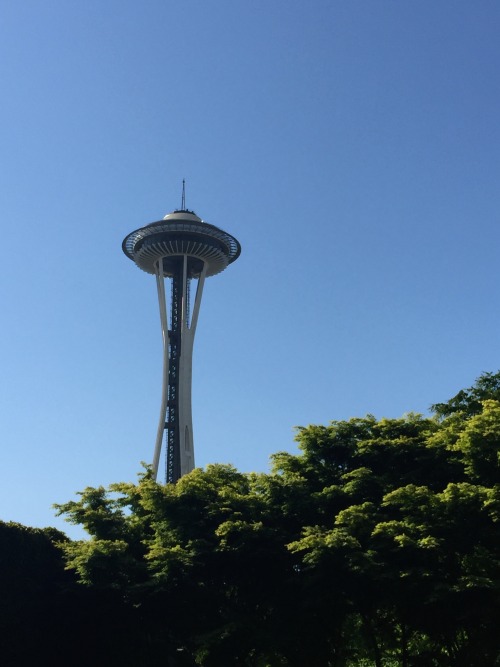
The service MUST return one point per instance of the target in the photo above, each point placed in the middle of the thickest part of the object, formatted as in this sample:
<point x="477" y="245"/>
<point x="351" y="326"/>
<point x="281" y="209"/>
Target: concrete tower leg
<point x="160" y="284"/>
<point x="188" y="330"/>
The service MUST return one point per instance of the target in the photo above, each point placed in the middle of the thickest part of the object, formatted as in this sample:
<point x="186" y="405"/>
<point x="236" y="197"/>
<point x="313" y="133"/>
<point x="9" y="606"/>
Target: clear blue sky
<point x="352" y="147"/>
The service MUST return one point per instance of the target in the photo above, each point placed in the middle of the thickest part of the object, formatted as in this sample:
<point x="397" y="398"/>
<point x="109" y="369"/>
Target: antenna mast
<point x="183" y="203"/>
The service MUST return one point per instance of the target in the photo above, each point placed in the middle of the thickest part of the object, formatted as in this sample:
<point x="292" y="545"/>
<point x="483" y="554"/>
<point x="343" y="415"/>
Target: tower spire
<point x="183" y="202"/>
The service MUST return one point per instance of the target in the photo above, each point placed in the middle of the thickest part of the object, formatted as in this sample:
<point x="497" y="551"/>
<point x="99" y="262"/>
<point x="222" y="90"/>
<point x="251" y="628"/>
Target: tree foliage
<point x="376" y="545"/>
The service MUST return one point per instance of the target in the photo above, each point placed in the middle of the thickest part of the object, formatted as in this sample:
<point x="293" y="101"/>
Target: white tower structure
<point x="184" y="249"/>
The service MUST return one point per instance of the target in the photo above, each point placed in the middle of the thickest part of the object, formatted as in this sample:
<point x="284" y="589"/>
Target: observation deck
<point x="181" y="233"/>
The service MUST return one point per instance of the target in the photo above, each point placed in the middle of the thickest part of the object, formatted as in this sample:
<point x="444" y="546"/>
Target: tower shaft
<point x="175" y="412"/>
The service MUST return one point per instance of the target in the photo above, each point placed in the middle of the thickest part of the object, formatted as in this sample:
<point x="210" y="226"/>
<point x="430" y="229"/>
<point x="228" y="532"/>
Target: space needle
<point x="185" y="250"/>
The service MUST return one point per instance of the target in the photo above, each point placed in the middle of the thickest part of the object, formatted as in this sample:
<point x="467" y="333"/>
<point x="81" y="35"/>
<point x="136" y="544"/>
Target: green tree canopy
<point x="376" y="545"/>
